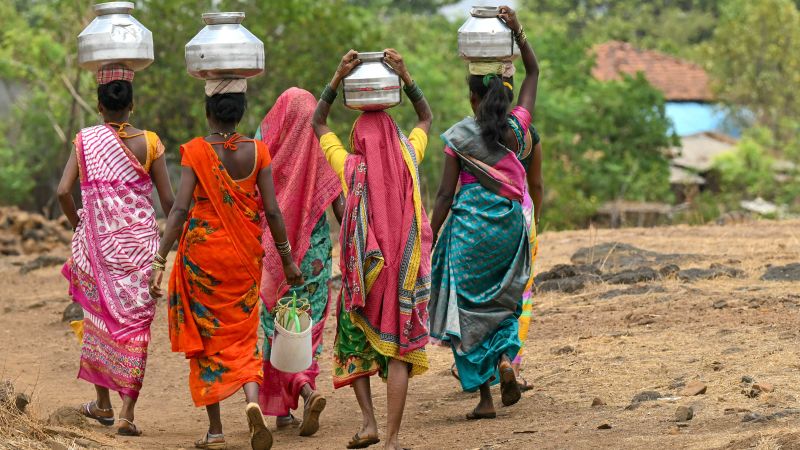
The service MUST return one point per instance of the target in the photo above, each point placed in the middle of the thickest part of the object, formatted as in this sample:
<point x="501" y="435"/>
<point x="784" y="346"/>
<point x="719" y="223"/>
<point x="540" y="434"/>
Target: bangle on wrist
<point x="413" y="92"/>
<point x="328" y="95"/>
<point x="520" y="37"/>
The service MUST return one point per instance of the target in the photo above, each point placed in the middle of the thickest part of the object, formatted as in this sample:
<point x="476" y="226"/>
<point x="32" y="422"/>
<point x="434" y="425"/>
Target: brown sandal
<point x="86" y="410"/>
<point x="362" y="441"/>
<point x="316" y="404"/>
<point x="289" y="421"/>
<point x="205" y="443"/>
<point x="260" y="436"/>
<point x="509" y="389"/>
<point x="131" y="430"/>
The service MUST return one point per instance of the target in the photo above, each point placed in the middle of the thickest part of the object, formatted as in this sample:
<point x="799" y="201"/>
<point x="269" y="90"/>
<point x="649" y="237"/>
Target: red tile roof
<point x="678" y="79"/>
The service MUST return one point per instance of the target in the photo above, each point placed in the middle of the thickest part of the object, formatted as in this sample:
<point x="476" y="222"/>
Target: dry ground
<point x="687" y="339"/>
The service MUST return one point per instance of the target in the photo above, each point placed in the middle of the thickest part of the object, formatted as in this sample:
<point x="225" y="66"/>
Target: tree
<point x="755" y="60"/>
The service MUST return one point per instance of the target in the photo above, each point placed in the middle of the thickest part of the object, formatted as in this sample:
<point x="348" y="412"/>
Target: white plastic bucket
<point x="291" y="351"/>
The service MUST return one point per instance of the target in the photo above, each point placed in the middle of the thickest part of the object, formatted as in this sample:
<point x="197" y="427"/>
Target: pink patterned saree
<point x="112" y="250"/>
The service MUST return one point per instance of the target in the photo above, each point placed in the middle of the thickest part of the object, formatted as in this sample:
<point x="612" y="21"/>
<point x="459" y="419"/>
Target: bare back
<point x="239" y="163"/>
<point x="136" y="143"/>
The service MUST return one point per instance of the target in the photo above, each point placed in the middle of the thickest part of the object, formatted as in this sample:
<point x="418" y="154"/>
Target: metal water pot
<point x="224" y="49"/>
<point x="372" y="85"/>
<point x="484" y="37"/>
<point x="115" y="37"/>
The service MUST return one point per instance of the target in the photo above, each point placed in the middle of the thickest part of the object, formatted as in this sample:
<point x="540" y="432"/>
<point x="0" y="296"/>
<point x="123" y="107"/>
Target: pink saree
<point x="112" y="250"/>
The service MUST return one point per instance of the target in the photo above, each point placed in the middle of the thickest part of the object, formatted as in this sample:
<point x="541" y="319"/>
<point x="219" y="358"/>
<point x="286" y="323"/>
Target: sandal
<point x="260" y="437"/>
<point x="206" y="443"/>
<point x="131" y="430"/>
<point x="286" y="422"/>
<point x="86" y="410"/>
<point x="314" y="407"/>
<point x="454" y="372"/>
<point x="524" y="386"/>
<point x="362" y="441"/>
<point x="509" y="389"/>
<point x="475" y="415"/>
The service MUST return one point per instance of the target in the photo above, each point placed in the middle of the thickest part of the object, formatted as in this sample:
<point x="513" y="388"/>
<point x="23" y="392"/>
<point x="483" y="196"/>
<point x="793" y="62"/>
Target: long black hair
<point x="495" y="99"/>
<point x="226" y="108"/>
<point x="116" y="95"/>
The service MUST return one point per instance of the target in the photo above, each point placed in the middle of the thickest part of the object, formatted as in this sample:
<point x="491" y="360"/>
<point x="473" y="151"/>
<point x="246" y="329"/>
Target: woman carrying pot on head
<point x="305" y="186"/>
<point x="481" y="264"/>
<point x="116" y="236"/>
<point x="385" y="257"/>
<point x="215" y="281"/>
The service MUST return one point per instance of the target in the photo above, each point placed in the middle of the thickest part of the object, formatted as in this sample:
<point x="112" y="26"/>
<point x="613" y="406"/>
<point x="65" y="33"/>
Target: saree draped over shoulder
<point x="481" y="263"/>
<point x="214" y="284"/>
<point x="385" y="241"/>
<point x="305" y="186"/>
<point x="112" y="249"/>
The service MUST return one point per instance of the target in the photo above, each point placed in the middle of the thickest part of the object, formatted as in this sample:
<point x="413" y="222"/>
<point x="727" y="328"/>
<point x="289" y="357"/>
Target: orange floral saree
<point x="214" y="285"/>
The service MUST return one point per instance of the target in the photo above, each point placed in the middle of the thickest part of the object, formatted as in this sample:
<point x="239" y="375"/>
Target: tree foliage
<point x="755" y="60"/>
<point x="602" y="141"/>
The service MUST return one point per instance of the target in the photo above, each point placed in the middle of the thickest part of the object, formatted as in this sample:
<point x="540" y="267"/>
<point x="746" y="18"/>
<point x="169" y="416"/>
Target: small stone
<point x="752" y="393"/>
<point x="684" y="413"/>
<point x="73" y="312"/>
<point x="716" y="366"/>
<point x="754" y="417"/>
<point x="564" y="350"/>
<point x="37" y="305"/>
<point x="68" y="417"/>
<point x="682" y="424"/>
<point x="646" y="396"/>
<point x="747" y="379"/>
<point x="764" y="387"/>
<point x="677" y="383"/>
<point x="597" y="401"/>
<point x="21" y="401"/>
<point x="604" y="426"/>
<point x="729" y="411"/>
<point x="693" y="388"/>
<point x="720" y="304"/>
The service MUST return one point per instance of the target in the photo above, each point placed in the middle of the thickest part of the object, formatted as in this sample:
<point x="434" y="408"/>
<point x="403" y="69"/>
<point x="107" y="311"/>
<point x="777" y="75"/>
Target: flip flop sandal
<point x="475" y="415"/>
<point x="509" y="389"/>
<point x="260" y="436"/>
<point x="131" y="430"/>
<point x="310" y="424"/>
<point x="454" y="372"/>
<point x="292" y="421"/>
<point x="86" y="410"/>
<point x="218" y="444"/>
<point x="524" y="386"/>
<point x="362" y="442"/>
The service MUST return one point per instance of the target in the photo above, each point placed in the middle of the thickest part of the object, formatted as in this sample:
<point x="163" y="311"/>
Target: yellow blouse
<point x="336" y="154"/>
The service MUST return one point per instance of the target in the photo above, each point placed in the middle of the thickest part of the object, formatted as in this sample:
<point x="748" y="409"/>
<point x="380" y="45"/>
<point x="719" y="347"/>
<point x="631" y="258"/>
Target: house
<point x="686" y="86"/>
<point x="690" y="105"/>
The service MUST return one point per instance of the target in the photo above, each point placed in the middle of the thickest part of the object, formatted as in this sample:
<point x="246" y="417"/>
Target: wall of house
<point x="695" y="117"/>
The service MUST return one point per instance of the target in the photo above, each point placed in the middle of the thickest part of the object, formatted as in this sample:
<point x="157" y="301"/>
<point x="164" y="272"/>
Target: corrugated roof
<point x="678" y="79"/>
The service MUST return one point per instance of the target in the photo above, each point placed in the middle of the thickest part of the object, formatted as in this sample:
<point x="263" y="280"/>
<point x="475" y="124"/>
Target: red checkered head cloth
<point x="113" y="72"/>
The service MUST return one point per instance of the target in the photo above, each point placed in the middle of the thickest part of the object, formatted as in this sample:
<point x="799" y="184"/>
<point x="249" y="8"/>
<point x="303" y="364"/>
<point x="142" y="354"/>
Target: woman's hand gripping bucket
<point x="291" y="343"/>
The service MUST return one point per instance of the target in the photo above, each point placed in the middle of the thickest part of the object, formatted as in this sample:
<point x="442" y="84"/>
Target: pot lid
<point x="489" y="12"/>
<point x="219" y="18"/>
<point x="102" y="9"/>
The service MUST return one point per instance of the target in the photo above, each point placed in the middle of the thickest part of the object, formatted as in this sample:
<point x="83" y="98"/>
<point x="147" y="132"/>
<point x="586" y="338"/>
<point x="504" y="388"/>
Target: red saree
<point x="214" y="285"/>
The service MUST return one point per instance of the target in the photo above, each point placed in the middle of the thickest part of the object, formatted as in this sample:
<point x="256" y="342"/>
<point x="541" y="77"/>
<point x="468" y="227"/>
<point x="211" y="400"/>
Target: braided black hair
<point x="495" y="100"/>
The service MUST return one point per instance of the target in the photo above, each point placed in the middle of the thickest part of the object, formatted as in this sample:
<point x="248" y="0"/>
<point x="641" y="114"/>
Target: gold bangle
<point x="157" y="266"/>
<point x="160" y="259"/>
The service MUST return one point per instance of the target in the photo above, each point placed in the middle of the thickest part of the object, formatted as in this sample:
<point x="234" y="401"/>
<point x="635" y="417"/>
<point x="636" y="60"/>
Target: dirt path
<point x="617" y="355"/>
